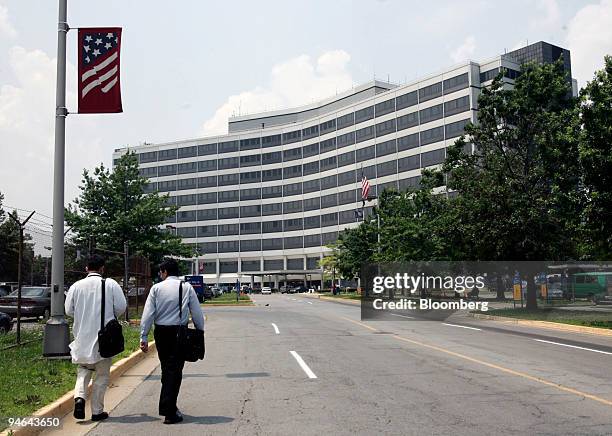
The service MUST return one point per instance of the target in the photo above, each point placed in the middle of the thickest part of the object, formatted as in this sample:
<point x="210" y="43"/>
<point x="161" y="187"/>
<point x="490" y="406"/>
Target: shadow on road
<point x="129" y="419"/>
<point x="232" y="375"/>
<point x="207" y="420"/>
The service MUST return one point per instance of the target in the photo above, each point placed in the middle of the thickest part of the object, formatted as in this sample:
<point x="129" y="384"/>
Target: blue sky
<point x="187" y="65"/>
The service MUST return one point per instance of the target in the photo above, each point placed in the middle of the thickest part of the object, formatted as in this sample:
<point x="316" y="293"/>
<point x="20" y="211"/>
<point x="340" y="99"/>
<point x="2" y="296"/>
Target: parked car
<point x="266" y="290"/>
<point x="6" y="288"/>
<point x="287" y="290"/>
<point x="216" y="291"/>
<point x="300" y="289"/>
<point x="6" y="323"/>
<point x="208" y="293"/>
<point x="35" y="301"/>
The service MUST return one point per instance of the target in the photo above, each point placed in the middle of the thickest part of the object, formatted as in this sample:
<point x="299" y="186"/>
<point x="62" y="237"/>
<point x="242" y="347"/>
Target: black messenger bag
<point x="190" y="341"/>
<point x="110" y="336"/>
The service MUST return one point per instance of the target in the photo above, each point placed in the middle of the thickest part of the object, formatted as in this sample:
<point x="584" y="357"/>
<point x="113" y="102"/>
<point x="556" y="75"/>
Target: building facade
<point x="261" y="203"/>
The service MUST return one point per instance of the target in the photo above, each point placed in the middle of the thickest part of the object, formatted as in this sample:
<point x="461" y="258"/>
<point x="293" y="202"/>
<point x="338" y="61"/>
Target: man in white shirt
<point x="84" y="303"/>
<point x="162" y="308"/>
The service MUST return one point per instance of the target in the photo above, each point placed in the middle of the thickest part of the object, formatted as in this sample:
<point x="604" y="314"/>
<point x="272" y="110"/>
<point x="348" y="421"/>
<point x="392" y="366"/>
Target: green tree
<point x="518" y="193"/>
<point x="113" y="208"/>
<point x="596" y="164"/>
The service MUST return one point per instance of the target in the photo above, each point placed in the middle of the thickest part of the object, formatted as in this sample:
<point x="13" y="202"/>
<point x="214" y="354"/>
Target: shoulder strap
<point x="103" y="309"/>
<point x="181" y="302"/>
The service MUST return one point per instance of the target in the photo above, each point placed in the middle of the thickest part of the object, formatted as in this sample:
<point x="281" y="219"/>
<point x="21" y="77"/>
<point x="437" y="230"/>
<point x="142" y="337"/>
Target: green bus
<point x="591" y="285"/>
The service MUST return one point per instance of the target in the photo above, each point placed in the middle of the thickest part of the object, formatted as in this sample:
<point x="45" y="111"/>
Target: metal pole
<point x="125" y="280"/>
<point x="57" y="334"/>
<point x="19" y="263"/>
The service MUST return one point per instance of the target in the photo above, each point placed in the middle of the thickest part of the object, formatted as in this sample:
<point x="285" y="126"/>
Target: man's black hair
<point x="95" y="262"/>
<point x="170" y="266"/>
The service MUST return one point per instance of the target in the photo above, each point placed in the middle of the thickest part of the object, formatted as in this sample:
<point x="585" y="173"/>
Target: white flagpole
<point x="57" y="334"/>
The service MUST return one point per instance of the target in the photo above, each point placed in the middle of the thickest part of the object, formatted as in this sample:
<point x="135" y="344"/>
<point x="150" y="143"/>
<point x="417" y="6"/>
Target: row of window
<point x="509" y="73"/>
<point x="231" y="266"/>
<point x="317" y="240"/>
<point x="392" y="146"/>
<point x="394" y="104"/>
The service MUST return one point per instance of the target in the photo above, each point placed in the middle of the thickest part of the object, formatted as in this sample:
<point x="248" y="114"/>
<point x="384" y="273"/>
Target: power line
<point x="27" y="211"/>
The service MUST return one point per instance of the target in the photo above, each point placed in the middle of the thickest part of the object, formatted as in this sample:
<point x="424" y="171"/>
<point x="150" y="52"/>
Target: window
<point x="271" y="158"/>
<point x="388" y="186"/>
<point x="365" y="153"/>
<point x="386" y="168"/>
<point x="250" y="211"/>
<point x="369" y="172"/>
<point x="489" y="75"/>
<point x="186" y="216"/>
<point x="228" y="247"/>
<point x="364" y="114"/>
<point x="295" y="264"/>
<point x="345" y="121"/>
<point x="456" y="129"/>
<point x="167" y="154"/>
<point x="408" y="142"/>
<point x="312" y="203"/>
<point x="207" y="149"/>
<point x="329" y="200"/>
<point x="227" y="229"/>
<point x="250" y="228"/>
<point x="346" y="158"/>
<point x="272" y="244"/>
<point x="208" y="247"/>
<point x="229" y="212"/>
<point x="228" y="162"/>
<point x="409" y="163"/>
<point x="293" y="224"/>
<point x="251" y="245"/>
<point x="294" y="171"/>
<point x="294" y="153"/>
<point x="207" y="231"/>
<point x="430" y="113"/>
<point x="346" y="139"/>
<point x="312" y="222"/>
<point x="313" y="262"/>
<point x="294" y="242"/>
<point x="150" y="187"/>
<point x="385" y="127"/>
<point x="310" y="150"/>
<point x="385" y="148"/>
<point x="272" y="191"/>
<point x="209" y="267"/>
<point x="250" y="194"/>
<point x="228" y="146"/>
<point x="328" y="163"/>
<point x="271" y="141"/>
<point x="150" y="156"/>
<point x="346" y="178"/>
<point x="148" y="172"/>
<point x="167" y="170"/>
<point x="274" y="264"/>
<point x="328" y="144"/>
<point x="292" y="189"/>
<point x="292" y="206"/>
<point x="329" y="219"/>
<point x="187" y="152"/>
<point x="170" y="201"/>
<point x="275" y="174"/>
<point x="250" y="144"/>
<point x="168" y="185"/>
<point x="310" y="132"/>
<point x="250" y="177"/>
<point x="456" y="106"/>
<point x="291" y="137"/>
<point x="432" y="135"/>
<point x="186" y="232"/>
<point x="250" y="265"/>
<point x="329" y="182"/>
<point x="207" y="165"/>
<point x="250" y="160"/>
<point x="429" y="92"/>
<point x="186" y="200"/>
<point x="346" y="197"/>
<point x="408" y="120"/>
<point x="272" y="226"/>
<point x="225" y="196"/>
<point x="207" y="214"/>
<point x="346" y="216"/>
<point x="207" y="182"/>
<point x="406" y="100"/>
<point x="189" y="167"/>
<point x="328" y="238"/>
<point x="327" y="126"/>
<point x="229" y="179"/>
<point x="411" y="182"/>
<point x="432" y="157"/>
<point x="364" y="134"/>
<point x="385" y="107"/>
<point x="183" y="184"/>
<point x="456" y="83"/>
<point x="311" y="186"/>
<point x="272" y="209"/>
<point x="310" y="168"/>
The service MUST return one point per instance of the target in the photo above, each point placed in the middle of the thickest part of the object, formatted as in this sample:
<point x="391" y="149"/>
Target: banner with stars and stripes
<point x="99" y="85"/>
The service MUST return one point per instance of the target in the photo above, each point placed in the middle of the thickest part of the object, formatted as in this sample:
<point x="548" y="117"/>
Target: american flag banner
<point x="365" y="187"/>
<point x="99" y="85"/>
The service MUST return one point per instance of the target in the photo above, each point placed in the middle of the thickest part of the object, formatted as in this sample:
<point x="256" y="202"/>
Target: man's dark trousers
<point x="171" y="367"/>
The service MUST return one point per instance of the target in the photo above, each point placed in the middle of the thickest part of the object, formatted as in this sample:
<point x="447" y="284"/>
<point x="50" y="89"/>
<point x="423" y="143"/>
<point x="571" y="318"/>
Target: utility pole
<point x="57" y="332"/>
<point x="125" y="280"/>
<point x="20" y="264"/>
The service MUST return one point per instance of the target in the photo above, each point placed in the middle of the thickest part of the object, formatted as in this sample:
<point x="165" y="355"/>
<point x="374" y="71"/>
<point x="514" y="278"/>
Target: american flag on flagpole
<point x="99" y="90"/>
<point x="365" y="187"/>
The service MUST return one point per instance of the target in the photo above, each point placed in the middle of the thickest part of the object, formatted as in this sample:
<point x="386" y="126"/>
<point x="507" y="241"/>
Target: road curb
<point x="64" y="405"/>
<point x="335" y="300"/>
<point x="545" y="325"/>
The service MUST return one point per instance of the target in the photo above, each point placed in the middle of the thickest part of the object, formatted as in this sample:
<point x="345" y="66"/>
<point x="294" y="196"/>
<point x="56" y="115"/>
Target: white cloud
<point x="6" y="28"/>
<point x="589" y="38"/>
<point x="546" y="16"/>
<point x="295" y="82"/>
<point x="465" y="50"/>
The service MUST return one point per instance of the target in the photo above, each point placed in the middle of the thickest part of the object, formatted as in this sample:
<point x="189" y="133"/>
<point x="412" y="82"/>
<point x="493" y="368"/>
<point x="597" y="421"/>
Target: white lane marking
<point x="293" y="299"/>
<point x="309" y="302"/>
<point x="461" y="326"/>
<point x="303" y="365"/>
<point x="275" y="329"/>
<point x="403" y="316"/>
<point x="573" y="346"/>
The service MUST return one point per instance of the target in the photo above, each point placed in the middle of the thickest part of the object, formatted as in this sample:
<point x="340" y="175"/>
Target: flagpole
<point x="57" y="334"/>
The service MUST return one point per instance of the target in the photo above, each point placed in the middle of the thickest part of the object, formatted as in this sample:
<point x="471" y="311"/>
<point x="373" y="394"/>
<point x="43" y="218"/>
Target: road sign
<point x="198" y="284"/>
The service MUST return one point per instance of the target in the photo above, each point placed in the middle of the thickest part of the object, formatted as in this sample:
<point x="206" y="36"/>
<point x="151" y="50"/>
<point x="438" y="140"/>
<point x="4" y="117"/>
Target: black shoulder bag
<point x="110" y="336"/>
<point x="190" y="341"/>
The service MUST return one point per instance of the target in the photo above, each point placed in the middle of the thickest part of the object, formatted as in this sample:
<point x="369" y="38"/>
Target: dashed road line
<point x="461" y="326"/>
<point x="303" y="365"/>
<point x="276" y="329"/>
<point x="574" y="346"/>
<point x="403" y="316"/>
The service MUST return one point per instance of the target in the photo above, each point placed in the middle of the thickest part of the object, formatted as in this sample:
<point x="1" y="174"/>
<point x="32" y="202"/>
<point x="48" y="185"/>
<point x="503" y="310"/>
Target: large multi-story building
<point x="260" y="203"/>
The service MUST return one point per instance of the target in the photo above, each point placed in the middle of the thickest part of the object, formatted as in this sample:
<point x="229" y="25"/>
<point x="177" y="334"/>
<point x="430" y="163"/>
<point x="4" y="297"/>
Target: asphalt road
<point x="301" y="366"/>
